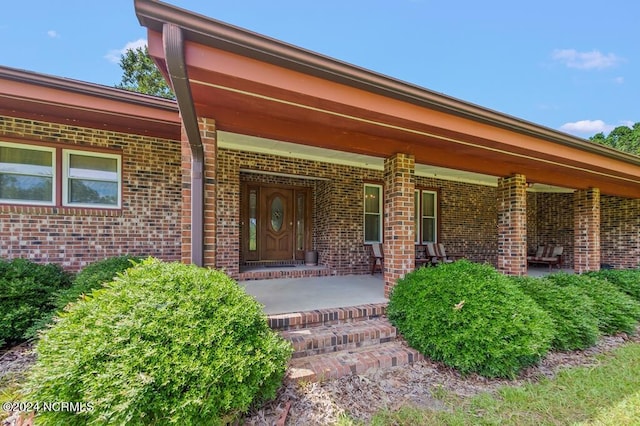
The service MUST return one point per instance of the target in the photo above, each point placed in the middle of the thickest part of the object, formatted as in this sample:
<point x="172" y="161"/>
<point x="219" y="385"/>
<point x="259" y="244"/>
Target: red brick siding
<point x="554" y="215"/>
<point x="147" y="224"/>
<point x="620" y="231"/>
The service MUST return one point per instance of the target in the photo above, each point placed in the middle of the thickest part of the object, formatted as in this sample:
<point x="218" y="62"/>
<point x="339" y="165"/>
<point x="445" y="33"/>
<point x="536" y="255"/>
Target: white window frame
<point x="66" y="154"/>
<point x="380" y="212"/>
<point x="420" y="216"/>
<point x="53" y="174"/>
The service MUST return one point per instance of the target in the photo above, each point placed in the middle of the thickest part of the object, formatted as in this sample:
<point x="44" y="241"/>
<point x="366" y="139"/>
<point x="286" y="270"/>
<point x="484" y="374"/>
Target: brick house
<point x="278" y="151"/>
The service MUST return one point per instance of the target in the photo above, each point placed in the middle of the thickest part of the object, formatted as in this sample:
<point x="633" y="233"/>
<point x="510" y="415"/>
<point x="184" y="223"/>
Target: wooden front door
<point x="276" y="224"/>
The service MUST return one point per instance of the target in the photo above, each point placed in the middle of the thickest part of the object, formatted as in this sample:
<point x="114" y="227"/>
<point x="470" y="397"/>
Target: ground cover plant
<point x="163" y="343"/>
<point x="27" y="292"/>
<point x="572" y="311"/>
<point x="470" y="317"/>
<point x="615" y="310"/>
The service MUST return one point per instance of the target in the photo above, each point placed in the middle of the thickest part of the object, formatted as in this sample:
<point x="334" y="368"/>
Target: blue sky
<point x="568" y="65"/>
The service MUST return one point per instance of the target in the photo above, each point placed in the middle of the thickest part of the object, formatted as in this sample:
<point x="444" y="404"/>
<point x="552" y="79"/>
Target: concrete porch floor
<point x="305" y="294"/>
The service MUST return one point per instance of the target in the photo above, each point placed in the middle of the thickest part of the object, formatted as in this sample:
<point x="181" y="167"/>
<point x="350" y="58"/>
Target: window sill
<point x="58" y="210"/>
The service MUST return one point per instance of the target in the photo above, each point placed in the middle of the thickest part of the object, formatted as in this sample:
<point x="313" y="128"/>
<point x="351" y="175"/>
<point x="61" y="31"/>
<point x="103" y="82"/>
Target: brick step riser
<point x="324" y="348"/>
<point x="301" y="320"/>
<point x="332" y="368"/>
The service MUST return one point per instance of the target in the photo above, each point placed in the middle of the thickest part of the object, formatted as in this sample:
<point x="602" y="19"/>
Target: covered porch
<point x="259" y="113"/>
<point x="285" y="295"/>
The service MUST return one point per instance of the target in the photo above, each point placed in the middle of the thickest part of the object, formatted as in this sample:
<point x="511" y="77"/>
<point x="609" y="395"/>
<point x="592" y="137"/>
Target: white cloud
<point x="53" y="34"/>
<point x="115" y="54"/>
<point x="585" y="60"/>
<point x="588" y="127"/>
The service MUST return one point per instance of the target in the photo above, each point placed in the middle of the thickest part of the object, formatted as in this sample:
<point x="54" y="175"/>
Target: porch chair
<point x="377" y="258"/>
<point x="438" y="253"/>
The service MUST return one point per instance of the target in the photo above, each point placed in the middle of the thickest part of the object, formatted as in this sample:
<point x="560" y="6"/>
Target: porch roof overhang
<point x="33" y="96"/>
<point x="254" y="85"/>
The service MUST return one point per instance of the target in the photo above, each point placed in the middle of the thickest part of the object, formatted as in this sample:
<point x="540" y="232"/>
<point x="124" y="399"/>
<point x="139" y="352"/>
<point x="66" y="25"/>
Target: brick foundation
<point x="512" y="225"/>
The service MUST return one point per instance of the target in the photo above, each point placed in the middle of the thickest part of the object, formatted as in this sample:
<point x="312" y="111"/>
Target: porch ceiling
<point x="261" y="87"/>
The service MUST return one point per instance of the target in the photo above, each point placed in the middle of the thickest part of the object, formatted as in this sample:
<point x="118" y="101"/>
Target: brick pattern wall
<point x="554" y="213"/>
<point x="512" y="225"/>
<point x="147" y="224"/>
<point x="398" y="224"/>
<point x="586" y="250"/>
<point x="620" y="231"/>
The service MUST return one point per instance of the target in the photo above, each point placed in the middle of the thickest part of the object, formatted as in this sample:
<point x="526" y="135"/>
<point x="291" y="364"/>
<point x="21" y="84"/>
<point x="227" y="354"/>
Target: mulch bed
<point x="360" y="397"/>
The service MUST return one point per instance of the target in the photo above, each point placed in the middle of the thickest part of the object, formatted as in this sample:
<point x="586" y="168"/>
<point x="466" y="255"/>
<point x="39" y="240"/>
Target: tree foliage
<point x="622" y="138"/>
<point x="140" y="74"/>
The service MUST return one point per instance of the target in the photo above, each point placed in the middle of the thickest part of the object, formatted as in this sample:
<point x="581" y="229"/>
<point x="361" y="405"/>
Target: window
<point x="426" y="216"/>
<point x="372" y="213"/>
<point x="91" y="179"/>
<point x="29" y="175"/>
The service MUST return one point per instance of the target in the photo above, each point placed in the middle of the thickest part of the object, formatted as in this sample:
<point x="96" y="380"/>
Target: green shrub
<point x="615" y="310"/>
<point x="470" y="317"/>
<point x="163" y="343"/>
<point x="91" y="277"/>
<point x="572" y="311"/>
<point x="627" y="280"/>
<point x="27" y="291"/>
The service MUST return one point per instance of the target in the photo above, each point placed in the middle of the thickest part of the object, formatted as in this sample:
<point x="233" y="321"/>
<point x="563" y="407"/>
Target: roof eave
<point x="210" y="32"/>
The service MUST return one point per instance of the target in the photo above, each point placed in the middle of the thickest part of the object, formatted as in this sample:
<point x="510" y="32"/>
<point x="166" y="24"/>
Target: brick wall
<point x="620" y="231"/>
<point x="467" y="212"/>
<point x="147" y="224"/>
<point x="586" y="219"/>
<point x="554" y="213"/>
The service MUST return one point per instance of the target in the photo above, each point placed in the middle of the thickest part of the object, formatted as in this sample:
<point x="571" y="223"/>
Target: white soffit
<point x="238" y="142"/>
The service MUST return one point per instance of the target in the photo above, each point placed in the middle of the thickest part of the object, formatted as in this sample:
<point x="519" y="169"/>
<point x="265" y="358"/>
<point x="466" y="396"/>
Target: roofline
<point x="211" y="32"/>
<point x="86" y="88"/>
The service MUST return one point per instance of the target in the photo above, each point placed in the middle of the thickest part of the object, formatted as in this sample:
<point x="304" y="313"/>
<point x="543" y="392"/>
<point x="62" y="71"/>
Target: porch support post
<point x="398" y="223"/>
<point x="512" y="225"/>
<point x="586" y="230"/>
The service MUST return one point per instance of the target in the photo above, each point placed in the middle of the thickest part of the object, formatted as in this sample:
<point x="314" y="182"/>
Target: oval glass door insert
<point x="277" y="214"/>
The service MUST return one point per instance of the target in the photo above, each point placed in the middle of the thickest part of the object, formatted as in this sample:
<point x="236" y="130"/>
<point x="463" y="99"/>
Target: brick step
<point x="337" y="364"/>
<point x="343" y="336"/>
<point x="305" y="319"/>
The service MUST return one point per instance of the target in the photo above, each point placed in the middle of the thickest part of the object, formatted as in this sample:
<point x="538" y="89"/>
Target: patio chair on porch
<point x="438" y="254"/>
<point x="547" y="255"/>
<point x="377" y="258"/>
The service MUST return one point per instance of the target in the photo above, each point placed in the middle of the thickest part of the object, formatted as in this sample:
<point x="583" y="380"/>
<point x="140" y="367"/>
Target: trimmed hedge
<point x="615" y="310"/>
<point x="627" y="280"/>
<point x="92" y="276"/>
<point x="27" y="293"/>
<point x="163" y="343"/>
<point x="572" y="311"/>
<point x="471" y="317"/>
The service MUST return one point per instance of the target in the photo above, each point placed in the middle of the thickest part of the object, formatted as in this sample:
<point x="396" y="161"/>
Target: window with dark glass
<point x="372" y="213"/>
<point x="426" y="216"/>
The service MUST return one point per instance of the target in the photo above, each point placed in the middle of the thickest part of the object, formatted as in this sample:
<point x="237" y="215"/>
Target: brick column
<point x="208" y="137"/>
<point x="512" y="225"/>
<point x="586" y="230"/>
<point x="398" y="224"/>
